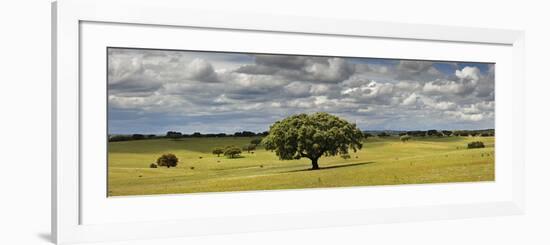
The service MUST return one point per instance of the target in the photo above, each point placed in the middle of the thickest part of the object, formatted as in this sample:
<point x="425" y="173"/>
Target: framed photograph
<point x="169" y="124"/>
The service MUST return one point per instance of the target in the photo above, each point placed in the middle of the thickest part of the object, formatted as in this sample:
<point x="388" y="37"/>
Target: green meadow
<point x="381" y="161"/>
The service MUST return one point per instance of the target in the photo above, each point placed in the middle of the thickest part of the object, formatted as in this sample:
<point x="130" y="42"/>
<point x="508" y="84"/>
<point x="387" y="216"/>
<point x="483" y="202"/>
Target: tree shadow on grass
<point x="330" y="167"/>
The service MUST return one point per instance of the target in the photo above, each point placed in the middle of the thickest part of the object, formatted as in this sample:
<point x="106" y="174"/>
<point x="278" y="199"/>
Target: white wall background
<point x="25" y="122"/>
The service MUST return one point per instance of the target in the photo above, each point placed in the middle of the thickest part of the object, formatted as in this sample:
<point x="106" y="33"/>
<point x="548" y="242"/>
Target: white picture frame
<point x="69" y="200"/>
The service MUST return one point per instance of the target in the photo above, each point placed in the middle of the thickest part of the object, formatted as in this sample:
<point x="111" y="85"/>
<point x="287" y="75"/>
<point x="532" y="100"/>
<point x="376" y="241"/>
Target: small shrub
<point x="476" y="144"/>
<point x="153" y="165"/>
<point x="345" y="156"/>
<point x="405" y="138"/>
<point x="167" y="160"/>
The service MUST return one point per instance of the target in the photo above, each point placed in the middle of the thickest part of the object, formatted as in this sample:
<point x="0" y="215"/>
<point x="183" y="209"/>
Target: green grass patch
<point x="386" y="161"/>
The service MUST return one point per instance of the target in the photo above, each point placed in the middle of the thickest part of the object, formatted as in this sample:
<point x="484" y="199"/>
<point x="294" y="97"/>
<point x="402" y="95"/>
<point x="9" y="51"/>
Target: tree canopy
<point x="312" y="136"/>
<point x="167" y="160"/>
<point x="232" y="151"/>
<point x="217" y="151"/>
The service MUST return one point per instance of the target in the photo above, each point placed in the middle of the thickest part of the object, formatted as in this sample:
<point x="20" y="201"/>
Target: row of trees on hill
<point x="115" y="138"/>
<point x="233" y="151"/>
<point x="228" y="151"/>
<point x="179" y="135"/>
<point x="173" y="134"/>
<point x="433" y="133"/>
<point x="383" y="134"/>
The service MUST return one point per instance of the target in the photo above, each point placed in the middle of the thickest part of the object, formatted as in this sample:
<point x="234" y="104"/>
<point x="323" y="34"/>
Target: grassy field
<point x="386" y="161"/>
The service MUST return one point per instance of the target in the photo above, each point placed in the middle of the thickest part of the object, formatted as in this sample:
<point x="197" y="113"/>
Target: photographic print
<point x="202" y="121"/>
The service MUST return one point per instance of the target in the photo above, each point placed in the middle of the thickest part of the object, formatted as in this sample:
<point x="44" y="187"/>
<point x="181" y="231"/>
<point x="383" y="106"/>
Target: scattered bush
<point x="383" y="134"/>
<point x="173" y="134"/>
<point x="249" y="147"/>
<point x="447" y="132"/>
<point x="345" y="156"/>
<point x="256" y="141"/>
<point x="153" y="165"/>
<point x="217" y="151"/>
<point x="416" y="133"/>
<point x="432" y="132"/>
<point x="476" y="144"/>
<point x="405" y="138"/>
<point x="167" y="160"/>
<point x="232" y="152"/>
<point x="244" y="134"/>
<point x="138" y="136"/>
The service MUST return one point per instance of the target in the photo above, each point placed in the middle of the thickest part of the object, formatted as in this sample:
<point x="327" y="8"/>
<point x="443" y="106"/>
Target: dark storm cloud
<point x="301" y="68"/>
<point x="154" y="91"/>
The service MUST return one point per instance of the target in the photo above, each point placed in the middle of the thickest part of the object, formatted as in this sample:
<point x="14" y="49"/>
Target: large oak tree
<point x="312" y="136"/>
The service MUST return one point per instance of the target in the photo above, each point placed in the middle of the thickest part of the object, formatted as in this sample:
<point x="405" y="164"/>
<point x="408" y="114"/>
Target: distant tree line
<point x="431" y="133"/>
<point x="114" y="138"/>
<point x="366" y="134"/>
<point x="179" y="135"/>
<point x="172" y="134"/>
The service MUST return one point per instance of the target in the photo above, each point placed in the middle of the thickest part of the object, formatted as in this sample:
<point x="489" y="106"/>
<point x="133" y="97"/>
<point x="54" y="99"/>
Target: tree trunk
<point x="314" y="164"/>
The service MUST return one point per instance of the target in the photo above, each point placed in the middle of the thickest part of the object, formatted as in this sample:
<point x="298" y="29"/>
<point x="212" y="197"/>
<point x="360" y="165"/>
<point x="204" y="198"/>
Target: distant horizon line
<point x="362" y="130"/>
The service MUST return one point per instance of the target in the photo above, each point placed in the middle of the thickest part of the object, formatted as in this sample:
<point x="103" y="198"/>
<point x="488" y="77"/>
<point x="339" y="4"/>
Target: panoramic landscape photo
<point x="196" y="121"/>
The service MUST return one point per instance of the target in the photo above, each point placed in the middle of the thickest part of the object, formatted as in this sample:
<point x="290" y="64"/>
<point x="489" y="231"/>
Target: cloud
<point x="201" y="70"/>
<point x="416" y="70"/>
<point x="152" y="91"/>
<point x="412" y="99"/>
<point x="448" y="87"/>
<point x="301" y="68"/>
<point x="298" y="89"/>
<point x="468" y="73"/>
<point x="469" y="81"/>
<point x="465" y="117"/>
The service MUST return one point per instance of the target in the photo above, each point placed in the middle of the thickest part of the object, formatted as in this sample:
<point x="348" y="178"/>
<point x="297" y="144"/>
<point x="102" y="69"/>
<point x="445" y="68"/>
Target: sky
<point x="155" y="91"/>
